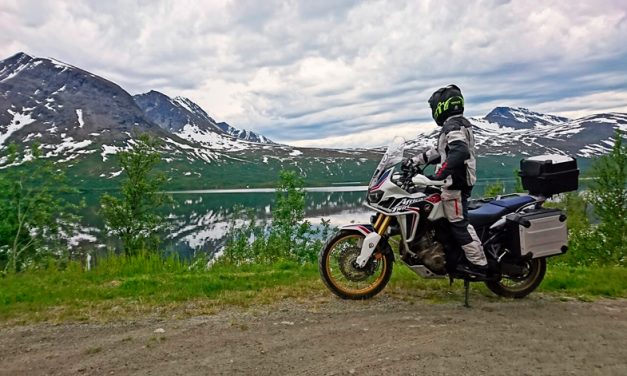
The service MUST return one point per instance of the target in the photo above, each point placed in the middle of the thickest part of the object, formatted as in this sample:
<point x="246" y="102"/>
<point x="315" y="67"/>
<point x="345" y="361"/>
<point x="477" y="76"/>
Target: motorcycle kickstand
<point x="466" y="292"/>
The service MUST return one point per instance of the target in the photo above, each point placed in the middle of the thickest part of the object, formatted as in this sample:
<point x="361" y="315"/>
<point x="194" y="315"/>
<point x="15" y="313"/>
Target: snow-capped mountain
<point x="521" y="118"/>
<point x="244" y="134"/>
<point x="62" y="107"/>
<point x="81" y="119"/>
<point x="521" y="132"/>
<point x="173" y="114"/>
<point x="72" y="112"/>
<point x="188" y="120"/>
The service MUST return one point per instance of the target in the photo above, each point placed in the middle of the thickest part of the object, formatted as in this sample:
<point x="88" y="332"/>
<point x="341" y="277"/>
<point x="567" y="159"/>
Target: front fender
<point x="364" y="229"/>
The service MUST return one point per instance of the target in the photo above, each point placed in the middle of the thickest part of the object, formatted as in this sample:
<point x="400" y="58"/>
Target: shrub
<point x="34" y="211"/>
<point x="288" y="237"/>
<point x="603" y="243"/>
<point x="133" y="217"/>
<point x="608" y="195"/>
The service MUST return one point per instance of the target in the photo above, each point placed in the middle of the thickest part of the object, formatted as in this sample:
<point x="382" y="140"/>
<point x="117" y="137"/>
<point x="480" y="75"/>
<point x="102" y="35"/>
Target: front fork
<point x="370" y="242"/>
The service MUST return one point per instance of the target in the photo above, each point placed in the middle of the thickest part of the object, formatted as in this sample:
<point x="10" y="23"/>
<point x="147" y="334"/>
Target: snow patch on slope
<point x="210" y="139"/>
<point x="19" y="121"/>
<point x="109" y="150"/>
<point x="79" y="114"/>
<point x="60" y="64"/>
<point x="184" y="103"/>
<point x="68" y="145"/>
<point x="16" y="71"/>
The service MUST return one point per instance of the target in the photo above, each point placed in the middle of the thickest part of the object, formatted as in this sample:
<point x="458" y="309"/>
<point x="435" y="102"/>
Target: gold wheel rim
<point x="365" y="290"/>
<point x="528" y="281"/>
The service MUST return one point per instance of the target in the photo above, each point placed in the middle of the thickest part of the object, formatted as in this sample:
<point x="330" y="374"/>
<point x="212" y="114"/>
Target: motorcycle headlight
<point x="375" y="196"/>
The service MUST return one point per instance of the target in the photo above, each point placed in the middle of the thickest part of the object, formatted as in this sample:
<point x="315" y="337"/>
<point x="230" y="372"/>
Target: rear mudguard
<point x="370" y="242"/>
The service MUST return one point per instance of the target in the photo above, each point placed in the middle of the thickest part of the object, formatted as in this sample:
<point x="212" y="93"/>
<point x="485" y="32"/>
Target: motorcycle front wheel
<point x="519" y="286"/>
<point x="336" y="263"/>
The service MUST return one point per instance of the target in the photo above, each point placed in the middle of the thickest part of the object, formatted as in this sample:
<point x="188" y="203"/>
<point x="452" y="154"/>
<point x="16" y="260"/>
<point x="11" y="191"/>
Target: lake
<point x="200" y="219"/>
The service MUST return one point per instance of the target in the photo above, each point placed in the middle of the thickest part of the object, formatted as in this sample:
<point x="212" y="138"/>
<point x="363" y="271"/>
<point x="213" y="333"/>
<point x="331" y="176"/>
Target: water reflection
<point x="199" y="220"/>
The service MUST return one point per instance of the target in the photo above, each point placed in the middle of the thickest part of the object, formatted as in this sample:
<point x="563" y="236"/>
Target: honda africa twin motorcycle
<point x="517" y="233"/>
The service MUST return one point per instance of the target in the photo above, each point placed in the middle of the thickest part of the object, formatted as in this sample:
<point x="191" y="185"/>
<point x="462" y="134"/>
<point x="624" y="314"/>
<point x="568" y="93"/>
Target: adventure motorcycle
<point x="517" y="232"/>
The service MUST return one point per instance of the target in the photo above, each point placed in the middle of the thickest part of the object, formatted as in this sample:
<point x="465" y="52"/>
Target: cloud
<point x="316" y="72"/>
<point x="371" y="138"/>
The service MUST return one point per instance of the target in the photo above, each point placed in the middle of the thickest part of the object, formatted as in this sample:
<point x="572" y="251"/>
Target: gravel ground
<point x="535" y="336"/>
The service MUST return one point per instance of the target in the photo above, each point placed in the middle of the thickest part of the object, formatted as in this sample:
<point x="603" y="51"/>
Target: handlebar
<point x="411" y="170"/>
<point x="407" y="173"/>
<point x="425" y="181"/>
<point x="412" y="176"/>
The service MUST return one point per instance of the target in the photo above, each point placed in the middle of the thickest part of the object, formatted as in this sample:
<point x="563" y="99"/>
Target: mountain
<point x="174" y="114"/>
<point x="67" y="108"/>
<point x="521" y="118"/>
<point x="62" y="107"/>
<point x="512" y="131"/>
<point x="188" y="120"/>
<point x="81" y="119"/>
<point x="244" y="134"/>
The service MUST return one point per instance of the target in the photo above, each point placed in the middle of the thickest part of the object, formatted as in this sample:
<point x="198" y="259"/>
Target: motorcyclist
<point x="455" y="152"/>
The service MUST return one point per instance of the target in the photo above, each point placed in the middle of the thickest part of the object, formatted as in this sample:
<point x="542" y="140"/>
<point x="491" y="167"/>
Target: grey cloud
<point x="325" y="8"/>
<point x="33" y="13"/>
<point x="253" y="14"/>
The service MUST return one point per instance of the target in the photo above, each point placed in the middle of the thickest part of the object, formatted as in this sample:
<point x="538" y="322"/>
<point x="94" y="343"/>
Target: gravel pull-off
<point x="383" y="336"/>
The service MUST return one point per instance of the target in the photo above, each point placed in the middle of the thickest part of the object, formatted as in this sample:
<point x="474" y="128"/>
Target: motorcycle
<point x="517" y="232"/>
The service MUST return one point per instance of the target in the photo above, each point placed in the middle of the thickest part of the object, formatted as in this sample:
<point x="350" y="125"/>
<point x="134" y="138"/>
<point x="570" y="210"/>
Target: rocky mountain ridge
<point x="516" y="131"/>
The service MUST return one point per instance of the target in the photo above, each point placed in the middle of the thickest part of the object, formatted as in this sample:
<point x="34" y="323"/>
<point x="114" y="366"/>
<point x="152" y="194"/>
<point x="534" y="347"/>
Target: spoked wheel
<point x="519" y="286"/>
<point x="339" y="273"/>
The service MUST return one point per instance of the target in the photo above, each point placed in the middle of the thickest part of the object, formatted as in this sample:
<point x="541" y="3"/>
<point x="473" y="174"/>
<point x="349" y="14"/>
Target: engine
<point x="430" y="253"/>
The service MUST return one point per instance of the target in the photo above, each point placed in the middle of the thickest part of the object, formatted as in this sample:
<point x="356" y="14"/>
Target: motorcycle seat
<point x="514" y="203"/>
<point x="493" y="210"/>
<point x="486" y="214"/>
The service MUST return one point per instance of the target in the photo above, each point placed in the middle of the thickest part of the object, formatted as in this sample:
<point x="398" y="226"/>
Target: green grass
<point x="133" y="285"/>
<point x="122" y="288"/>
<point x="583" y="281"/>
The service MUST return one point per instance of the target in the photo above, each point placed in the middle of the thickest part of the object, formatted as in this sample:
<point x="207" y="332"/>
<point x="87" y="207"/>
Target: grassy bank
<point x="123" y="288"/>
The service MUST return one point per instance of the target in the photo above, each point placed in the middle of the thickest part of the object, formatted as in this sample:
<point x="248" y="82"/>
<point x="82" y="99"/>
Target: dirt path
<point x="382" y="336"/>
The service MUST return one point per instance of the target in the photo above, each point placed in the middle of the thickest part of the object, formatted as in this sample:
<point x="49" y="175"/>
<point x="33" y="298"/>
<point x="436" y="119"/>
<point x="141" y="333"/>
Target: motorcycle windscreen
<point x="392" y="156"/>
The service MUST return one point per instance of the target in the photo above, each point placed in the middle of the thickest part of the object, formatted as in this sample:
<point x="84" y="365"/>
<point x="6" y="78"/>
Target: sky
<point x="338" y="73"/>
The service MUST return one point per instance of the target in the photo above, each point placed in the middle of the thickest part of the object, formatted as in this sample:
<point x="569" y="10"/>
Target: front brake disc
<point x="347" y="260"/>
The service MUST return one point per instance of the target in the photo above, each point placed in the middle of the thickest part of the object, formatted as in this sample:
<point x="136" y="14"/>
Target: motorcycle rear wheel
<point x="337" y="270"/>
<point x="518" y="287"/>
